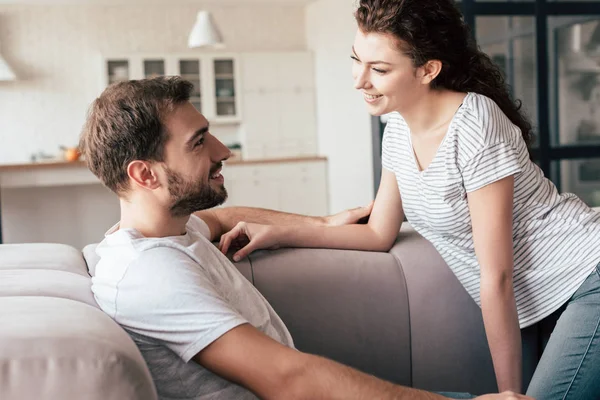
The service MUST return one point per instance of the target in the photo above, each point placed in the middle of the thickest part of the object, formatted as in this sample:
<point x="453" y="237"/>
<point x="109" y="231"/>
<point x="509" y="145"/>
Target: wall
<point x="343" y="124"/>
<point x="56" y="53"/>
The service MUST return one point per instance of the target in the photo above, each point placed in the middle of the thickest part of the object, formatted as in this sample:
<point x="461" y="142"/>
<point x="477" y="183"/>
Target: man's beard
<point x="190" y="196"/>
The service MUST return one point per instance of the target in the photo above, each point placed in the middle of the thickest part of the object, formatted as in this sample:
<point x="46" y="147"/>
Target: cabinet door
<point x="191" y="69"/>
<point x="261" y="125"/>
<point x="116" y="70"/>
<point x="260" y="72"/>
<point x="154" y="67"/>
<point x="298" y="130"/>
<point x="251" y="186"/>
<point x="303" y="188"/>
<point x="225" y="91"/>
<point x="296" y="71"/>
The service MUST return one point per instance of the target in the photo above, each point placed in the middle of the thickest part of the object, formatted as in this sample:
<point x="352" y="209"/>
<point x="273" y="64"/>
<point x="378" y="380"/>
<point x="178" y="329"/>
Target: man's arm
<point x="273" y="371"/>
<point x="222" y="220"/>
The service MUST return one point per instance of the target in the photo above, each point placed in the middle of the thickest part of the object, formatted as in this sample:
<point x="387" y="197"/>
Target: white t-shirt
<point x="556" y="236"/>
<point x="175" y="296"/>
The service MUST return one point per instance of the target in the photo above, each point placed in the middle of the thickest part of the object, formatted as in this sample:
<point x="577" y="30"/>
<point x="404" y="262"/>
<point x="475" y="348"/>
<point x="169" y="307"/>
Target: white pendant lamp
<point x="205" y="33"/>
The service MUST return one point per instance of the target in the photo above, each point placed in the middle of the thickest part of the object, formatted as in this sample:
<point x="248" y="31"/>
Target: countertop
<point x="67" y="164"/>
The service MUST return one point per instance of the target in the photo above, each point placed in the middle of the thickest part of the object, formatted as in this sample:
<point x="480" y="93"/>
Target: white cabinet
<point x="296" y="187"/>
<point x="280" y="85"/>
<point x="216" y="79"/>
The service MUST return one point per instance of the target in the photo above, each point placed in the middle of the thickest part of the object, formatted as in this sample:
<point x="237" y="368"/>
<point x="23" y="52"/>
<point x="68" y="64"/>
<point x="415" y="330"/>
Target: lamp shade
<point x="205" y="33"/>
<point x="6" y="73"/>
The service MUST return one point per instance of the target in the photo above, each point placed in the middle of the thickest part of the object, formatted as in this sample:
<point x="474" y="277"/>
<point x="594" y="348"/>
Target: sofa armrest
<point x="349" y="306"/>
<point x="449" y="346"/>
<point x="64" y="349"/>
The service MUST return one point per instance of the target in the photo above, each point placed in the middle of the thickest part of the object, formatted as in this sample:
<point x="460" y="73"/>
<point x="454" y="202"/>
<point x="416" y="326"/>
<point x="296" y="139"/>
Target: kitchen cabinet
<point x="216" y="79"/>
<point x="282" y="85"/>
<point x="297" y="187"/>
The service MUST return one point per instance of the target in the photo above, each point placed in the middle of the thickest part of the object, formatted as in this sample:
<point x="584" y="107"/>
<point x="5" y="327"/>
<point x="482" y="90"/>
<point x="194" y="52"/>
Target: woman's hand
<point x="358" y="215"/>
<point x="249" y="237"/>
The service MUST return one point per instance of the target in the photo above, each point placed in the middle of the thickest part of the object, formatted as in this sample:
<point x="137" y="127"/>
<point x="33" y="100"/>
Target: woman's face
<point x="384" y="74"/>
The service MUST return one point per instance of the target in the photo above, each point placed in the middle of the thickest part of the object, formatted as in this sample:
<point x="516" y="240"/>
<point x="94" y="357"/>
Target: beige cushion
<point x="53" y="256"/>
<point x="61" y="349"/>
<point x="44" y="269"/>
<point x="54" y="341"/>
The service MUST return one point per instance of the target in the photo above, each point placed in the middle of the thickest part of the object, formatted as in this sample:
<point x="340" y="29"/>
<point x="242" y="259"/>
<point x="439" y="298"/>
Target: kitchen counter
<point x="59" y="191"/>
<point x="47" y="165"/>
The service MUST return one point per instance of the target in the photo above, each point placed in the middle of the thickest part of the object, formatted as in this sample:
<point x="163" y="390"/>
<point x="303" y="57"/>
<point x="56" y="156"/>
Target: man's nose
<point x="219" y="152"/>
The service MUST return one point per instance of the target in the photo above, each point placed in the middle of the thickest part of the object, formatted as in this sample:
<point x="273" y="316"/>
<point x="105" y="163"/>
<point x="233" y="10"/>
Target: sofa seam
<point x="251" y="270"/>
<point x="410" y="341"/>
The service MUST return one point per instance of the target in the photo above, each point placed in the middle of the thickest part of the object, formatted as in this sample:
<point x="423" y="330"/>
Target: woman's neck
<point x="432" y="112"/>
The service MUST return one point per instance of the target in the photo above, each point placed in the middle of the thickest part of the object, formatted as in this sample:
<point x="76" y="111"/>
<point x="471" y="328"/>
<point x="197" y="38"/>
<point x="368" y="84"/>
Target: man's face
<point x="193" y="161"/>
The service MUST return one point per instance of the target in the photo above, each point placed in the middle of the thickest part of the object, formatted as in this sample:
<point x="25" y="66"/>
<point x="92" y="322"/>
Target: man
<point x="203" y="329"/>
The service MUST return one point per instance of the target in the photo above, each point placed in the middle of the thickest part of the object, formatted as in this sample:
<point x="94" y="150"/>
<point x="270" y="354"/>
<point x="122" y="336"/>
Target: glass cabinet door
<point x="190" y="71"/>
<point x="154" y="68"/>
<point x="117" y="71"/>
<point x="225" y="94"/>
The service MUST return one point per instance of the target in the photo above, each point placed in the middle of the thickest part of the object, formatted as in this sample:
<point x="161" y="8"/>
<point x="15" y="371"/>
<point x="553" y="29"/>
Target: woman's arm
<point x="378" y="234"/>
<point x="491" y="209"/>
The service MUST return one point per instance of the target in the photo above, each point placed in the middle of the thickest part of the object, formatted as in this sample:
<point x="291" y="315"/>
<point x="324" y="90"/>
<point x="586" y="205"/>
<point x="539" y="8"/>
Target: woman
<point x="456" y="163"/>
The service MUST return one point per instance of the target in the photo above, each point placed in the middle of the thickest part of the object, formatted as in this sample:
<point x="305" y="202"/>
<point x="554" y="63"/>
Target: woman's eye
<point x="355" y="59"/>
<point x="379" y="71"/>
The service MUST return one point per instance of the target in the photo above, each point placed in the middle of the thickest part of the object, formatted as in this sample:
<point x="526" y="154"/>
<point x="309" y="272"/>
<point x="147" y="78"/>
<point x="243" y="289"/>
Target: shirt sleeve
<point x="490" y="164"/>
<point x="199" y="225"/>
<point x="491" y="145"/>
<point x="388" y="144"/>
<point x="167" y="297"/>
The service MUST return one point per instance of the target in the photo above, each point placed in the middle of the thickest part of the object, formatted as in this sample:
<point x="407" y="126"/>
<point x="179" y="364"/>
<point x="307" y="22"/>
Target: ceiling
<point x="155" y="2"/>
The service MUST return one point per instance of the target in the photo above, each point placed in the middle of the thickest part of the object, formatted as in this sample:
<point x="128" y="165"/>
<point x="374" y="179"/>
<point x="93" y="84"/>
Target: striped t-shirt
<point x="556" y="237"/>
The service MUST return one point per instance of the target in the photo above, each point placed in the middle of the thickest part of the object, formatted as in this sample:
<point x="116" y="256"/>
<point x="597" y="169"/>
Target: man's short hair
<point x="126" y="123"/>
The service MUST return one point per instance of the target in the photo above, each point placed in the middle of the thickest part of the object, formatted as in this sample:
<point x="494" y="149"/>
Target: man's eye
<point x="200" y="142"/>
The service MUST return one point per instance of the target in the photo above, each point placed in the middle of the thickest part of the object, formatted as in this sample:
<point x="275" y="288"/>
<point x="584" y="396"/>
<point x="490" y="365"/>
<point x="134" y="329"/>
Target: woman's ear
<point x="142" y="173"/>
<point x="430" y="70"/>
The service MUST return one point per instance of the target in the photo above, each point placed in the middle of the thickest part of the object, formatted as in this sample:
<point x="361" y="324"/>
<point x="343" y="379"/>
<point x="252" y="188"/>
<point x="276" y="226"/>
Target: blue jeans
<point x="569" y="368"/>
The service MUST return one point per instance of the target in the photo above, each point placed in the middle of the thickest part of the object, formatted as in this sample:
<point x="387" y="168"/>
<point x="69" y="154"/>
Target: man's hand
<point x="354" y="216"/>
<point x="252" y="237"/>
<point x="504" y="396"/>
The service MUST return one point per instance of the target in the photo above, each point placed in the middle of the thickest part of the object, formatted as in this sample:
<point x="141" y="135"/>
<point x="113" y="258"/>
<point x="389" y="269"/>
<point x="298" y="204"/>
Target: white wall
<point x="55" y="51"/>
<point x="343" y="124"/>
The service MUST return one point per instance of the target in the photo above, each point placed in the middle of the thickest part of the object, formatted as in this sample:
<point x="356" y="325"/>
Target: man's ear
<point x="143" y="174"/>
<point x="430" y="70"/>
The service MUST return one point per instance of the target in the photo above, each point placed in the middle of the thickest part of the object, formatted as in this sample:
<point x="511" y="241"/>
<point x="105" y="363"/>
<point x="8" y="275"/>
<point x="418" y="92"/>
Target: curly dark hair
<point x="126" y="123"/>
<point x="435" y="30"/>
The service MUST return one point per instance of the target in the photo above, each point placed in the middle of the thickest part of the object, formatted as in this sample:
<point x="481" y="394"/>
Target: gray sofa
<point x="401" y="316"/>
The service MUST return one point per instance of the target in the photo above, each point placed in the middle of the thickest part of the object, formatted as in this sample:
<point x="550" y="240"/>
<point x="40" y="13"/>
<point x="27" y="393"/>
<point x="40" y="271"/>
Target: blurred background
<point x="274" y="79"/>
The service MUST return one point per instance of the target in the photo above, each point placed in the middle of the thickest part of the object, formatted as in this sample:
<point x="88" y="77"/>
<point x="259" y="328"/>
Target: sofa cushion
<point x="44" y="269"/>
<point x="54" y="348"/>
<point x="53" y="256"/>
<point x="46" y="282"/>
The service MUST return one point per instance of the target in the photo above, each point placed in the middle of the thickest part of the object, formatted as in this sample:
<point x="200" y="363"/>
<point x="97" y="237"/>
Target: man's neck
<point x="151" y="221"/>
